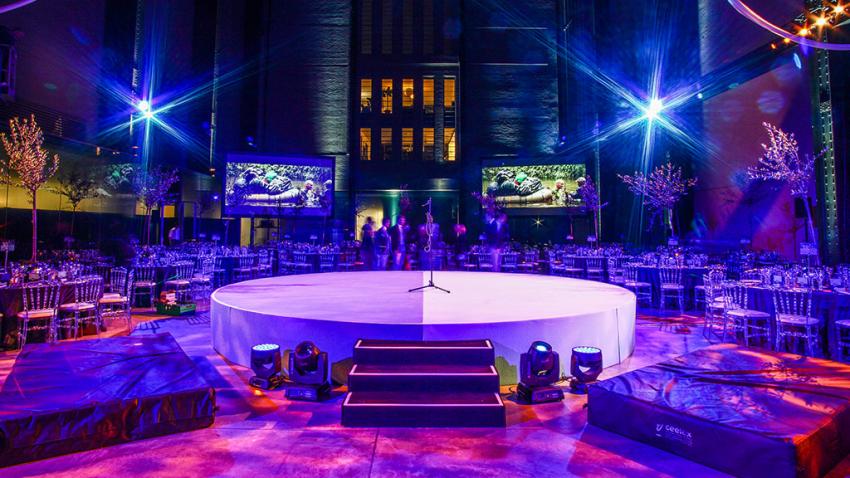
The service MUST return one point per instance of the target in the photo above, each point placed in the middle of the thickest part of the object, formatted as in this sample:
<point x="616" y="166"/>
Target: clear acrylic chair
<point x="556" y="264"/>
<point x="245" y="270"/>
<point x="40" y="303"/>
<point x="643" y="290"/>
<point x="301" y="263"/>
<point x="201" y="283"/>
<point x="327" y="261"/>
<point x="595" y="271"/>
<point x="670" y="287"/>
<point x="615" y="270"/>
<point x="842" y="335"/>
<point x="715" y="302"/>
<point x="571" y="268"/>
<point x="144" y="283"/>
<point x="510" y="261"/>
<point x="87" y="292"/>
<point x="181" y="280"/>
<point x="264" y="263"/>
<point x="738" y="318"/>
<point x="116" y="303"/>
<point x="794" y="320"/>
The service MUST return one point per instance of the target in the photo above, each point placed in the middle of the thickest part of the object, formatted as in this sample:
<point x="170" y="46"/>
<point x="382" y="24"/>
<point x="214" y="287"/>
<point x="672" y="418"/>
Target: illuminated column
<point x="824" y="141"/>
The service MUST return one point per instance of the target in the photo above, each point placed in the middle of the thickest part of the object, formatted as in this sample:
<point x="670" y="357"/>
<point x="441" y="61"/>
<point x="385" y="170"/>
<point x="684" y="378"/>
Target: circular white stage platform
<point x="335" y="309"/>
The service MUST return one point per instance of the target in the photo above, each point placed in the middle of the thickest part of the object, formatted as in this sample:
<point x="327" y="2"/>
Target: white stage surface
<point x="335" y="309"/>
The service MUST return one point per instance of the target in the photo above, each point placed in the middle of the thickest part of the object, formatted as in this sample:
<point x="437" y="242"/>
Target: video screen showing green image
<point x="537" y="186"/>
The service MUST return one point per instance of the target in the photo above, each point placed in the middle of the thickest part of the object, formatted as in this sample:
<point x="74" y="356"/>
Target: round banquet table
<point x="12" y="302"/>
<point x="827" y="305"/>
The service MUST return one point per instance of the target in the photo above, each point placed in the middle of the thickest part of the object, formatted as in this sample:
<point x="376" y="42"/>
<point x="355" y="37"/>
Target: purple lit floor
<point x="263" y="434"/>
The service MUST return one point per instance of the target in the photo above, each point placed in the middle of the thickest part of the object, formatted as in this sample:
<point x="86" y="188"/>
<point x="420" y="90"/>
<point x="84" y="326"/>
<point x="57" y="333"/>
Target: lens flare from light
<point x="653" y="111"/>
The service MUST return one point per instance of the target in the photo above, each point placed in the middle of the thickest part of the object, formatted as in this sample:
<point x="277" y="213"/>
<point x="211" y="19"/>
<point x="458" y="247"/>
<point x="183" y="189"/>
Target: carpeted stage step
<point x="422" y="409"/>
<point x="425" y="378"/>
<point x="423" y="384"/>
<point x="391" y="352"/>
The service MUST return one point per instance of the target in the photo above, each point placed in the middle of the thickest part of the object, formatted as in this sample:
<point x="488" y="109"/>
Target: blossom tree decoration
<point x="28" y="165"/>
<point x="661" y="189"/>
<point x="782" y="162"/>
<point x="77" y="185"/>
<point x="590" y="197"/>
<point x="151" y="188"/>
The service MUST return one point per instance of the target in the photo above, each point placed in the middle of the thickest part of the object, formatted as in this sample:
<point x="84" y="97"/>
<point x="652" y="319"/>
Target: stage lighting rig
<point x="540" y="368"/>
<point x="266" y="364"/>
<point x="585" y="367"/>
<point x="309" y="372"/>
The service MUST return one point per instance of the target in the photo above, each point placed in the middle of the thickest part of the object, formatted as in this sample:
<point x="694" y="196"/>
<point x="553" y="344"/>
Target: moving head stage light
<point x="585" y="367"/>
<point x="308" y="371"/>
<point x="265" y="362"/>
<point x="540" y="368"/>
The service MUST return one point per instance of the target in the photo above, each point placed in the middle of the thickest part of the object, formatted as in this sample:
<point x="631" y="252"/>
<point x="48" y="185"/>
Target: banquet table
<point x="827" y="305"/>
<point x="11" y="302"/>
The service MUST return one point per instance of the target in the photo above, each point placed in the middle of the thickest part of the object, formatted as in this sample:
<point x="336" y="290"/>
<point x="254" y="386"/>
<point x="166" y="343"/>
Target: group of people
<point x="386" y="246"/>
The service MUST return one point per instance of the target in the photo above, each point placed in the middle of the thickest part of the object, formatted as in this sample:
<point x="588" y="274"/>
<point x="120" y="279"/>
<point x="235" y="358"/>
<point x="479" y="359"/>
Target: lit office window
<point x="449" y="93"/>
<point x="407" y="27"/>
<point x="366" y="27"/>
<point x="365" y="96"/>
<point x="365" y="144"/>
<point x="407" y="91"/>
<point x="386" y="96"/>
<point x="428" y="144"/>
<point x="449" y="142"/>
<point x="387" y="27"/>
<point x="386" y="143"/>
<point x="407" y="143"/>
<point x="428" y="95"/>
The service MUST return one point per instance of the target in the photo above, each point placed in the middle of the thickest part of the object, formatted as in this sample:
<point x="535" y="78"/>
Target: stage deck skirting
<point x="513" y="310"/>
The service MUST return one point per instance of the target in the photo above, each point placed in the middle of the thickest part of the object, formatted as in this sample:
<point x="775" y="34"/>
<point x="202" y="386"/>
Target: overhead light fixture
<point x="266" y="364"/>
<point x="585" y="367"/>
<point x="540" y="368"/>
<point x="308" y="372"/>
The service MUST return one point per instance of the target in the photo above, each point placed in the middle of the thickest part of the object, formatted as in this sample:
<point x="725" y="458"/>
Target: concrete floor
<point x="258" y="434"/>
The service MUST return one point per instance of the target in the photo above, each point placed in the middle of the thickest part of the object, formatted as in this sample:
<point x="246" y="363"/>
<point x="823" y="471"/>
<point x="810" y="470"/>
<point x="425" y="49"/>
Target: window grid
<point x="366" y="27"/>
<point x="387" y="96"/>
<point x="365" y="144"/>
<point x="386" y="144"/>
<point x="387" y="27"/>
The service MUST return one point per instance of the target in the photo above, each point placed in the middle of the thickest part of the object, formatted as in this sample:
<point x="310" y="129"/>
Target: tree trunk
<point x="811" y="226"/>
<point x="73" y="216"/>
<point x="148" y="213"/>
<point x="34" y="257"/>
<point x="669" y="217"/>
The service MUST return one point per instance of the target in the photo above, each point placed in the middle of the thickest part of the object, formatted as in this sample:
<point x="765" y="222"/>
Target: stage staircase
<point x="423" y="384"/>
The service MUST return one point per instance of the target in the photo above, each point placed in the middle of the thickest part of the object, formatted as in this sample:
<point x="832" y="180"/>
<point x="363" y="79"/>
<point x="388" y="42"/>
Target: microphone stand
<point x="429" y="229"/>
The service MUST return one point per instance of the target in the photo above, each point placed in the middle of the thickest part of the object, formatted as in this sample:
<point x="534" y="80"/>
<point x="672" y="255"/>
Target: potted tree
<point x="28" y="165"/>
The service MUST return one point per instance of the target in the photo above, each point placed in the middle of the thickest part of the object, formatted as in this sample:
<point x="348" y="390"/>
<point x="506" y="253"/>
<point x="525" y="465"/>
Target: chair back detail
<point x="40" y="295"/>
<point x="793" y="302"/>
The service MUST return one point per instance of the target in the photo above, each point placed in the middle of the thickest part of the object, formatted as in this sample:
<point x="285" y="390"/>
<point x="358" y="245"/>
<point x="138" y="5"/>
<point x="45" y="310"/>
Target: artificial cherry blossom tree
<point x="28" y="165"/>
<point x="661" y="189"/>
<point x="590" y="197"/>
<point x="151" y="188"/>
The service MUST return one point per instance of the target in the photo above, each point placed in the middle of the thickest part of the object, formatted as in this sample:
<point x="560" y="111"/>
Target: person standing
<point x="382" y="245"/>
<point x="367" y="242"/>
<point x="398" y="236"/>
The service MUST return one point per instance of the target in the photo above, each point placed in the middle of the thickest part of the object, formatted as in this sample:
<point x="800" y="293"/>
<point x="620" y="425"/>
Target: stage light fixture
<point x="540" y="368"/>
<point x="838" y="8"/>
<point x="309" y="370"/>
<point x="266" y="364"/>
<point x="821" y="21"/>
<point x="585" y="367"/>
<point x="144" y="106"/>
<point x="653" y="110"/>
